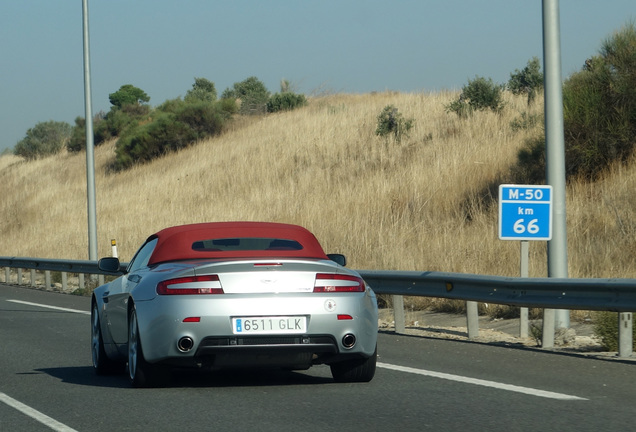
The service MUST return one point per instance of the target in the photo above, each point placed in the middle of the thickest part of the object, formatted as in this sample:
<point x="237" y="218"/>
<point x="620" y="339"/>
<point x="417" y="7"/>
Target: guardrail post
<point x="472" y="318"/>
<point x="7" y="274"/>
<point x="398" y="314"/>
<point x="19" y="276"/>
<point x="100" y="279"/>
<point x="64" y="282"/>
<point x="523" y="312"/>
<point x="47" y="279"/>
<point x="32" y="277"/>
<point x="625" y="335"/>
<point x="80" y="276"/>
<point x="523" y="323"/>
<point x="547" y="340"/>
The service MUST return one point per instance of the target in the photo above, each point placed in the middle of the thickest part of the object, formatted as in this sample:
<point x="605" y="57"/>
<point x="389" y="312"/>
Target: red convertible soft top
<point x="234" y="240"/>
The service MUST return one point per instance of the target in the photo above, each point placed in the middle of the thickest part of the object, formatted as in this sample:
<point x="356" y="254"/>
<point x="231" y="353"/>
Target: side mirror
<point x="338" y="259"/>
<point x="110" y="265"/>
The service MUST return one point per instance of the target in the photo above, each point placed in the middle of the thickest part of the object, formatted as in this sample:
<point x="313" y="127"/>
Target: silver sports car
<point x="232" y="295"/>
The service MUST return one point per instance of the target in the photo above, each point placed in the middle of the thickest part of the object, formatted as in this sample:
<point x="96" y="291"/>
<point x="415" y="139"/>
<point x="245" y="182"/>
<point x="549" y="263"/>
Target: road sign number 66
<point x="519" y="226"/>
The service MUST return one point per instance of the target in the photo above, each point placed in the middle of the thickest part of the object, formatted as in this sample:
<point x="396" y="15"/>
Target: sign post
<point x="525" y="213"/>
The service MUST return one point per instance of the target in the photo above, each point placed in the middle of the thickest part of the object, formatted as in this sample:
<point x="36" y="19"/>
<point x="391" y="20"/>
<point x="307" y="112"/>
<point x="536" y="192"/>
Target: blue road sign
<point x="525" y="212"/>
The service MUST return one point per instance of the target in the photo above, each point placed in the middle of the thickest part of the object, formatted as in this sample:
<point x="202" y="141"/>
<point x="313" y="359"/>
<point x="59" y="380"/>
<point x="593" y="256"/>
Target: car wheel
<point x="355" y="370"/>
<point x="101" y="363"/>
<point x="140" y="372"/>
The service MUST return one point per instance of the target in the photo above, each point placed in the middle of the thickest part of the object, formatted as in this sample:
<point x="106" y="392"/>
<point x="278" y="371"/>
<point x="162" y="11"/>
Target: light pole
<point x="90" y="155"/>
<point x="555" y="158"/>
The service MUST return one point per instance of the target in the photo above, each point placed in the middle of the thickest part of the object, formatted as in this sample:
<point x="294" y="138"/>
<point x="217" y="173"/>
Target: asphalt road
<point x="47" y="383"/>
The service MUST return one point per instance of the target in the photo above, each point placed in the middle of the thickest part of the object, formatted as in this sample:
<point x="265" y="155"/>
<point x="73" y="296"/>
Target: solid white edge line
<point x="485" y="383"/>
<point x="50" y="307"/>
<point x="36" y="415"/>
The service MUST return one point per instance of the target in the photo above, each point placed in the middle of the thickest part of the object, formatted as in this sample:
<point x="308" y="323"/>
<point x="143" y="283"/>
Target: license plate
<point x="270" y="325"/>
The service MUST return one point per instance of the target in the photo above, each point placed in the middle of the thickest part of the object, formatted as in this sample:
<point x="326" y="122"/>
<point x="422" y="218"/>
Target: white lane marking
<point x="50" y="307"/>
<point x="493" y="384"/>
<point x="36" y="415"/>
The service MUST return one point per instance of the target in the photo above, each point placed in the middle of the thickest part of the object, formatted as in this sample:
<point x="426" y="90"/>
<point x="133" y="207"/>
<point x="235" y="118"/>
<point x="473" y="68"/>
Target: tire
<point x="140" y="372"/>
<point x="356" y="370"/>
<point x="101" y="363"/>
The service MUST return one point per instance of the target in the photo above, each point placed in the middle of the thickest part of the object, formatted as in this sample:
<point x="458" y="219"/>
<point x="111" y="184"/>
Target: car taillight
<point x="328" y="282"/>
<point x="208" y="284"/>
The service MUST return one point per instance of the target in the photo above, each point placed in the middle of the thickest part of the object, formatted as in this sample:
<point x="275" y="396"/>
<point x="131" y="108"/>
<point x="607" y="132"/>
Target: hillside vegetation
<point x="416" y="204"/>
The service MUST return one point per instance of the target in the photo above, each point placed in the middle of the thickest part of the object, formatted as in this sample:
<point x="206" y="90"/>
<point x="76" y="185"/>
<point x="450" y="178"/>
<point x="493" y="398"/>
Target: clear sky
<point x="320" y="46"/>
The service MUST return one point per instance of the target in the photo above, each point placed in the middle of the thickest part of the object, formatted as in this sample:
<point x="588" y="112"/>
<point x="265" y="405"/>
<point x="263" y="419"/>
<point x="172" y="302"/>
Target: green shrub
<point x="128" y="109"/>
<point x="483" y="94"/>
<point x="117" y="121"/>
<point x="108" y="126"/>
<point x="151" y="140"/>
<point x="44" y="139"/>
<point x="171" y="105"/>
<point x="77" y="142"/>
<point x="202" y="90"/>
<point x="252" y="94"/>
<point x="527" y="81"/>
<point x="606" y="329"/>
<point x="228" y="107"/>
<point x="392" y="123"/>
<point x="285" y="101"/>
<point x="599" y="105"/>
<point x="174" y="125"/>
<point x="112" y="126"/>
<point x="478" y="95"/>
<point x="223" y="107"/>
<point x="599" y="114"/>
<point x="459" y="107"/>
<point x="203" y="118"/>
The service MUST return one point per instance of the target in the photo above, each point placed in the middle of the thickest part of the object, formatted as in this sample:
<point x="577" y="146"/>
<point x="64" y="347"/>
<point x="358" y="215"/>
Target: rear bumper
<point x="161" y="326"/>
<point x="287" y="351"/>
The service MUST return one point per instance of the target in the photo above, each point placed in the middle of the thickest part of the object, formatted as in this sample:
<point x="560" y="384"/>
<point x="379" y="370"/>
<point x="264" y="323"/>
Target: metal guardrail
<point x="618" y="295"/>
<point x="70" y="266"/>
<point x="79" y="267"/>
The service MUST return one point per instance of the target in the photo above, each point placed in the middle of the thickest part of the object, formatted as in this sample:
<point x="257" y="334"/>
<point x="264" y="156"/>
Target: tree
<point x="599" y="113"/>
<point x="128" y="95"/>
<point x="478" y="95"/>
<point x="599" y="107"/>
<point x="529" y="80"/>
<point x="252" y="93"/>
<point x="174" y="125"/>
<point x="44" y="139"/>
<point x="202" y="90"/>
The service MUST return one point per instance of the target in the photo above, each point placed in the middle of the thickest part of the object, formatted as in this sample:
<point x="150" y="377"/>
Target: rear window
<point x="246" y="244"/>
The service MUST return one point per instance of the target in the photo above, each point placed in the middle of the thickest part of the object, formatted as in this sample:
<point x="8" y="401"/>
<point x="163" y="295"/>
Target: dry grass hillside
<point x="386" y="205"/>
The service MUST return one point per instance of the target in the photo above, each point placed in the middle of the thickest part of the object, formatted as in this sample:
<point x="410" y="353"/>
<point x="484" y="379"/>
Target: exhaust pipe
<point x="185" y="344"/>
<point x="348" y="340"/>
